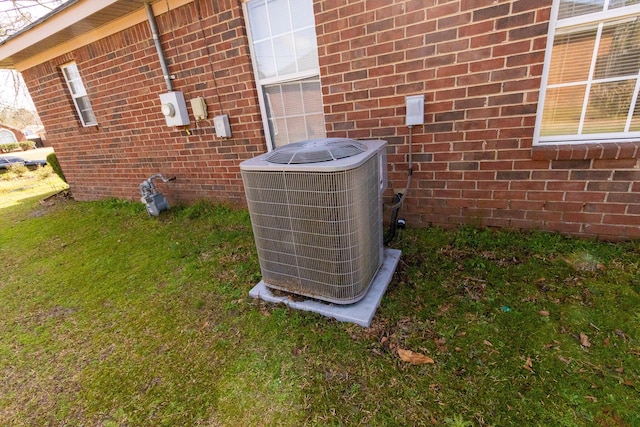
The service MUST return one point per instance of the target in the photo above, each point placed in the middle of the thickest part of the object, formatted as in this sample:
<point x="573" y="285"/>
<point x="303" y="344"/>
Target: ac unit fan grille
<point x="315" y="151"/>
<point x="318" y="234"/>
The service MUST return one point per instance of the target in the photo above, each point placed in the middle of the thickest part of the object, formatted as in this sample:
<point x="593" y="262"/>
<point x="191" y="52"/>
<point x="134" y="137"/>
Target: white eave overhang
<point x="72" y="25"/>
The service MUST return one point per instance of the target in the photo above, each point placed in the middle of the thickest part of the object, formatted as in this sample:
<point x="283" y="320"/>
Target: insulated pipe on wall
<point x="156" y="39"/>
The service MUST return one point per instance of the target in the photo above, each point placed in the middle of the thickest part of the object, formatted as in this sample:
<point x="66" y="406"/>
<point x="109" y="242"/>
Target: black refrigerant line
<point x="398" y="198"/>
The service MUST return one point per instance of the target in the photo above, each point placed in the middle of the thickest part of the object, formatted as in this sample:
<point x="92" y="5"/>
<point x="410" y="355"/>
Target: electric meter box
<point x="174" y="108"/>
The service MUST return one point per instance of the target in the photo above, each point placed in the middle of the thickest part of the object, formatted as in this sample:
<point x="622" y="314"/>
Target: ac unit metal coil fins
<point x="318" y="226"/>
<point x="316" y="150"/>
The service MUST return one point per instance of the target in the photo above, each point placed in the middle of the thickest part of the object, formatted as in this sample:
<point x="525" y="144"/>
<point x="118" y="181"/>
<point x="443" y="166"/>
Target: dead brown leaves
<point x="584" y="340"/>
<point x="414" y="358"/>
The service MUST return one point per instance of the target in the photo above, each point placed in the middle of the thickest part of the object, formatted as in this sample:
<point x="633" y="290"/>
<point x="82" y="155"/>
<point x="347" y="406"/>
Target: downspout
<point x="156" y="39"/>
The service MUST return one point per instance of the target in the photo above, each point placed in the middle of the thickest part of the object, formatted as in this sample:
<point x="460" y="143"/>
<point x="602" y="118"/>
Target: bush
<point x="52" y="160"/>
<point x="27" y="145"/>
<point x="43" y="172"/>
<point x="17" y="170"/>
<point x="9" y="147"/>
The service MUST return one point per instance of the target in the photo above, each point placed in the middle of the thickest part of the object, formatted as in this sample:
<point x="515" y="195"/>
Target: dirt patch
<point x="57" y="198"/>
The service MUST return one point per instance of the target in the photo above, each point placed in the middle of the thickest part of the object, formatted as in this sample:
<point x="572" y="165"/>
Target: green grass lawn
<point x="112" y="318"/>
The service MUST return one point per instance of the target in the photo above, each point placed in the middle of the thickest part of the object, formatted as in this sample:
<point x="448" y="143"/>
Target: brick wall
<point x="478" y="63"/>
<point x="209" y="57"/>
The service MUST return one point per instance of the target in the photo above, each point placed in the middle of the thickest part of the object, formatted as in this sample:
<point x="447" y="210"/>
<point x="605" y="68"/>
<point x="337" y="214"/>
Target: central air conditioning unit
<point x="316" y="212"/>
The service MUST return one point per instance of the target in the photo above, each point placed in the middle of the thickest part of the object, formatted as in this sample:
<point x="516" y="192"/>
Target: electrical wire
<point x="398" y="198"/>
<point x="209" y="54"/>
<point x="403" y="196"/>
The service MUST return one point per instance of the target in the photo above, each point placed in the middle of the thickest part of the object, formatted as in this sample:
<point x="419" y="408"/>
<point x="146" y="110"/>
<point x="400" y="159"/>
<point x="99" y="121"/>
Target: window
<point x="591" y="80"/>
<point x="79" y="94"/>
<point x="7" y="137"/>
<point x="285" y="57"/>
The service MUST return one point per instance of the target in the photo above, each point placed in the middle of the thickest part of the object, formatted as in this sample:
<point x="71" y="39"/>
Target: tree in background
<point x="16" y="108"/>
<point x="17" y="14"/>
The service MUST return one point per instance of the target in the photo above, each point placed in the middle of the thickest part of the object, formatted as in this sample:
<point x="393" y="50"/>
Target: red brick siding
<point x="122" y="74"/>
<point x="478" y="63"/>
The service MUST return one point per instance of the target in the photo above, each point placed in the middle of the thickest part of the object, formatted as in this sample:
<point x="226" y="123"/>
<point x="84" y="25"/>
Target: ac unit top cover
<point x="318" y="155"/>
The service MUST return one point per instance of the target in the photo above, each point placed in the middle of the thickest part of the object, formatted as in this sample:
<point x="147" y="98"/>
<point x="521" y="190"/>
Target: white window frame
<point x="564" y="26"/>
<point x="79" y="92"/>
<point x="262" y="82"/>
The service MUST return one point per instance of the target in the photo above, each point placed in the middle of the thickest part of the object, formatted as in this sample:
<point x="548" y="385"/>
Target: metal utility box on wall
<point x="199" y="108"/>
<point x="221" y="124"/>
<point x="174" y="109"/>
<point x="316" y="212"/>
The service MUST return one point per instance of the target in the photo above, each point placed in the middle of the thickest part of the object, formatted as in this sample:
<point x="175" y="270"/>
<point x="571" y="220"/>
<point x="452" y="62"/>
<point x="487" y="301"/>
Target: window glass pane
<point x="561" y="116"/>
<point x="265" y="59"/>
<point x="84" y="107"/>
<point x="294" y="111"/>
<point x="571" y="57"/>
<point x="83" y="103"/>
<point x="312" y="96"/>
<point x="275" y="106"/>
<point x="279" y="132"/>
<point x="315" y="126"/>
<point x="593" y="73"/>
<point x="608" y="107"/>
<point x="284" y="54"/>
<point x="619" y="50"/>
<point x="71" y="72"/>
<point x="79" y="94"/>
<point x="259" y="22"/>
<point x="306" y="49"/>
<point x="297" y="129"/>
<point x="88" y="117"/>
<point x="284" y="46"/>
<point x="279" y="16"/>
<point x="292" y="98"/>
<point x="6" y="137"/>
<point x="73" y="87"/>
<point x="302" y="17"/>
<point x="571" y="8"/>
<point x="621" y="3"/>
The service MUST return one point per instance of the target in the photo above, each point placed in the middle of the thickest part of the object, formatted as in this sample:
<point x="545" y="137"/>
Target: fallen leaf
<point x="629" y="383"/>
<point x="487" y="342"/>
<point x="584" y="340"/>
<point x="591" y="398"/>
<point x="620" y="370"/>
<point x="443" y="309"/>
<point x="544" y="313"/>
<point x="413" y="357"/>
<point x="564" y="360"/>
<point x="528" y="365"/>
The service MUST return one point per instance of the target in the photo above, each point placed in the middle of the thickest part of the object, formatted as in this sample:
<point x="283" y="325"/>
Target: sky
<point x="13" y="92"/>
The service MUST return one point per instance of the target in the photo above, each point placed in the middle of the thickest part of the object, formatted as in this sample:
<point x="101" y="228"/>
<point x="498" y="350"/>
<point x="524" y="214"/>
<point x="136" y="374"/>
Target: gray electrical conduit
<point x="156" y="39"/>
